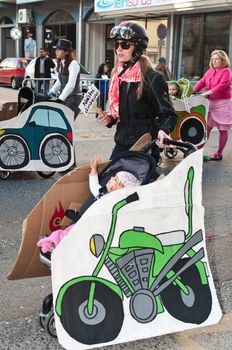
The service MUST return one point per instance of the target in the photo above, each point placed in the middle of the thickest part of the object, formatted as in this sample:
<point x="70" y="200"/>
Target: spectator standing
<point x="43" y="66"/>
<point x="103" y="84"/>
<point x="163" y="69"/>
<point x="217" y="82"/>
<point x="68" y="83"/>
<point x="29" y="45"/>
<point x="138" y="96"/>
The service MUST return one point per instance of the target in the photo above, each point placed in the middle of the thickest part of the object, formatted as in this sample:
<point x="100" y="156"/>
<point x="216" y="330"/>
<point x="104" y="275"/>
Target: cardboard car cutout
<point x="40" y="138"/>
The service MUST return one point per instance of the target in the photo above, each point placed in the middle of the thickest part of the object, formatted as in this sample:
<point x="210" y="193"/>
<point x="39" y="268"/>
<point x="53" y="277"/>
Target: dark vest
<point x="74" y="99"/>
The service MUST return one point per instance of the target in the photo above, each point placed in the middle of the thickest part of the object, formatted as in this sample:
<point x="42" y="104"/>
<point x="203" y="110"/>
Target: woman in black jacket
<point x="138" y="96"/>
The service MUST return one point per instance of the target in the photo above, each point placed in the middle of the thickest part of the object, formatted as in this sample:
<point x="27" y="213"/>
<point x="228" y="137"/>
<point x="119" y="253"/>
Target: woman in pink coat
<point x="217" y="82"/>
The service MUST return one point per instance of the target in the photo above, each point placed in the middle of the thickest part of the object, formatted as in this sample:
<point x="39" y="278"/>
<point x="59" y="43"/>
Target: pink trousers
<point x="47" y="244"/>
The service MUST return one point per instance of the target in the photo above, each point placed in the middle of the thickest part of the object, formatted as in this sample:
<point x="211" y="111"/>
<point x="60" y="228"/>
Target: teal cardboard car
<point x="40" y="138"/>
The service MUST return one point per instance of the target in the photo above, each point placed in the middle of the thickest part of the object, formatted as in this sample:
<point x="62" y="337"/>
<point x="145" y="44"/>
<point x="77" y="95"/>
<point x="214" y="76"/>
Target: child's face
<point x="114" y="184"/>
<point x="172" y="90"/>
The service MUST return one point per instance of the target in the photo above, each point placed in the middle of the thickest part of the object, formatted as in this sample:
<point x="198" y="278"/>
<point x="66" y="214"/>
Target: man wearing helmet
<point x="138" y="96"/>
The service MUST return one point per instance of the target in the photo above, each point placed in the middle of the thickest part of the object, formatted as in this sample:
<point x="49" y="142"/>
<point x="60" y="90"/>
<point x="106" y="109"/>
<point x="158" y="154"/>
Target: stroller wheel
<point x="46" y="174"/>
<point x="159" y="161"/>
<point x="170" y="152"/>
<point x="41" y="318"/>
<point x="49" y="323"/>
<point x="4" y="175"/>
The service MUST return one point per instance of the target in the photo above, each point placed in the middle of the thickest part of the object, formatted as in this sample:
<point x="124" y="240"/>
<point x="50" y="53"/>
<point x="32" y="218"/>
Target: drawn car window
<point x="48" y="117"/>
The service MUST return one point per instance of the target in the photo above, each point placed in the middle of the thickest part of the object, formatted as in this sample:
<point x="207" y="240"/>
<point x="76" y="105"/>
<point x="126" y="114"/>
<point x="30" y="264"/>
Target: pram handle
<point x="168" y="142"/>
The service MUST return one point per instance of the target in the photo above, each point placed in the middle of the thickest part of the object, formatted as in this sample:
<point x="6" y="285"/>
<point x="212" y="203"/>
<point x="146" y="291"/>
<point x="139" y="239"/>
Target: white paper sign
<point x="89" y="99"/>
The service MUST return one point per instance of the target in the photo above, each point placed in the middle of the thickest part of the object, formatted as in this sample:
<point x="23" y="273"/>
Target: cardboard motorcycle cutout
<point x="151" y="276"/>
<point x="133" y="266"/>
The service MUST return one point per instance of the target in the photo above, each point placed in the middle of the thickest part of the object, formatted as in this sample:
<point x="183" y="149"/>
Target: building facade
<point x="185" y="32"/>
<point x="193" y="29"/>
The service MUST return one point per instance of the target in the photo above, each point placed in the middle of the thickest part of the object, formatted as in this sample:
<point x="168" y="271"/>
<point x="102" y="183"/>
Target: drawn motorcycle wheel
<point x="56" y="151"/>
<point x="194" y="307"/>
<point x="192" y="130"/>
<point x="13" y="152"/>
<point x="105" y="322"/>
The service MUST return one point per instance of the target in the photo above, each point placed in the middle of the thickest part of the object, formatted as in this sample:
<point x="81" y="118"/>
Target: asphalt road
<point x="20" y="301"/>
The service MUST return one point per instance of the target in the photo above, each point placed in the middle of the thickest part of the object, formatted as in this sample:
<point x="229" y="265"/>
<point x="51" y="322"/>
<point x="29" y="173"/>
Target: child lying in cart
<point x="120" y="180"/>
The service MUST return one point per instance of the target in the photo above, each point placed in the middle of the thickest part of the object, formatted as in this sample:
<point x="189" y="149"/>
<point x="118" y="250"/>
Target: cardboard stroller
<point x="192" y="112"/>
<point x="135" y="263"/>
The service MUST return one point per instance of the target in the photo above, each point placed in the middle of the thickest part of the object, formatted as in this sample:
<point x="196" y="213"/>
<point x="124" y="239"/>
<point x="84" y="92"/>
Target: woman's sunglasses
<point x="125" y="45"/>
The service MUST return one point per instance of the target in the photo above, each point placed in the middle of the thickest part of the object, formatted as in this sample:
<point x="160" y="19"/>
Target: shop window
<point x="59" y="25"/>
<point x="109" y="52"/>
<point x="5" y="20"/>
<point x="201" y="34"/>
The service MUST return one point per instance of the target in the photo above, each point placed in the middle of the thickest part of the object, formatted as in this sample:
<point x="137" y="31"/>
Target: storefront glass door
<point x="200" y="35"/>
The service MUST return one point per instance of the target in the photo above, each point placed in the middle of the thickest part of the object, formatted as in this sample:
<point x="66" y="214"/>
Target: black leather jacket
<point x="48" y="64"/>
<point x="152" y="112"/>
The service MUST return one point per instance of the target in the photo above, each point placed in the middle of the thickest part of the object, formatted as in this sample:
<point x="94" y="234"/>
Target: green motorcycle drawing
<point x="156" y="272"/>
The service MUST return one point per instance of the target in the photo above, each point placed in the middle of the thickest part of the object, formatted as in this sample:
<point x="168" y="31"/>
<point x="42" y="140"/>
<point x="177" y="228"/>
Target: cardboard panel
<point x="38" y="139"/>
<point x="136" y="265"/>
<point x="192" y="115"/>
<point x="8" y="110"/>
<point x="45" y="218"/>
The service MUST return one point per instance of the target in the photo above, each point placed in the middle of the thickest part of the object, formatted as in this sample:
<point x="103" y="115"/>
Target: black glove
<point x="57" y="100"/>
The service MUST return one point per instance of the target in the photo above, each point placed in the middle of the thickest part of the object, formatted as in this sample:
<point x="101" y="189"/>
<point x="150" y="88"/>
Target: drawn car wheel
<point x="46" y="174"/>
<point x="194" y="307"/>
<point x="192" y="130"/>
<point x="170" y="152"/>
<point x="49" y="323"/>
<point x="4" y="175"/>
<point x="105" y="322"/>
<point x="56" y="151"/>
<point x="13" y="153"/>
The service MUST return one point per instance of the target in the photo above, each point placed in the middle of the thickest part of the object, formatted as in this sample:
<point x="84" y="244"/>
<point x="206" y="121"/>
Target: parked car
<point x="86" y="79"/>
<point x="85" y="75"/>
<point x="12" y="71"/>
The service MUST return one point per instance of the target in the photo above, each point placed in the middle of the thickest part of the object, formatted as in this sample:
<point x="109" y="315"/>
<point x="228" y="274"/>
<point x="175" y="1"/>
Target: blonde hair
<point x="221" y="54"/>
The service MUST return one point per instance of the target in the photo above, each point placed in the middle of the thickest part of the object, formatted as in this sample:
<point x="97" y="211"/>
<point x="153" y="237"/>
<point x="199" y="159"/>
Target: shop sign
<point x="110" y="5"/>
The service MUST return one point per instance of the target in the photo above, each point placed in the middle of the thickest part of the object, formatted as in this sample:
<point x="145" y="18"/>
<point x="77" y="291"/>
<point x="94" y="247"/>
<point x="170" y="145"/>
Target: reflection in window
<point x="48" y="118"/>
<point x="201" y="35"/>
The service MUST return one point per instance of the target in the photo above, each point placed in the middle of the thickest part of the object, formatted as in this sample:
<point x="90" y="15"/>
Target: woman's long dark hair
<point x="101" y="69"/>
<point x="68" y="59"/>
